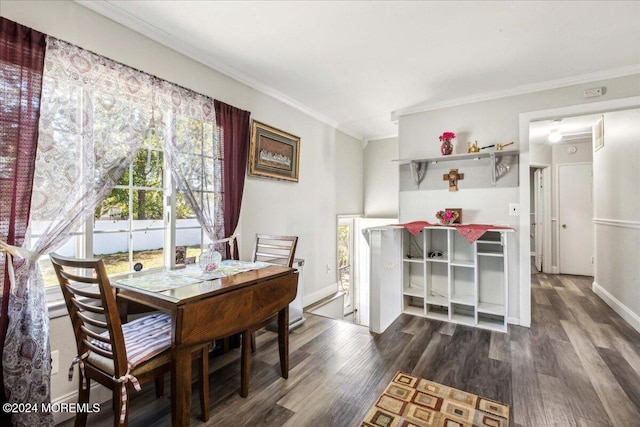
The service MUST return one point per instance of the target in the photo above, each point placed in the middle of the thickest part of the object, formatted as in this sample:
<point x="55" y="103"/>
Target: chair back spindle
<point x="117" y="356"/>
<point x="92" y="306"/>
<point x="275" y="249"/>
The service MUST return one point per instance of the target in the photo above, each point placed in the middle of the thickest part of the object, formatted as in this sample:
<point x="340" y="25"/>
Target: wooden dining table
<point x="205" y="309"/>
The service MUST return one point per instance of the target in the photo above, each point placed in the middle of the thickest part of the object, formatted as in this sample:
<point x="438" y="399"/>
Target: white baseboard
<point x="515" y="321"/>
<point x="625" y="312"/>
<point x="99" y="394"/>
<point x="334" y="308"/>
<point x="316" y="296"/>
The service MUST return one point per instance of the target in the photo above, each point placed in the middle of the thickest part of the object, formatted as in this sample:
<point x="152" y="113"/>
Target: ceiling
<point x="572" y="129"/>
<point x="357" y="64"/>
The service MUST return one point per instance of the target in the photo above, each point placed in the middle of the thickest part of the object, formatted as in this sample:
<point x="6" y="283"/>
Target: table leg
<point x="283" y="341"/>
<point x="245" y="363"/>
<point x="181" y="386"/>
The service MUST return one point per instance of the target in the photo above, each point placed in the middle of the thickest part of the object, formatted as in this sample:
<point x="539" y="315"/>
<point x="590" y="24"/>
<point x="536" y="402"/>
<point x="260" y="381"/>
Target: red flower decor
<point x="446" y="147"/>
<point x="447" y="216"/>
<point x="447" y="136"/>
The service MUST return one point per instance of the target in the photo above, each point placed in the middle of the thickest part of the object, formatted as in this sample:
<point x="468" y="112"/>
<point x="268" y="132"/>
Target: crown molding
<point x="111" y="11"/>
<point x="379" y="137"/>
<point x="520" y="90"/>
<point x="347" y="131"/>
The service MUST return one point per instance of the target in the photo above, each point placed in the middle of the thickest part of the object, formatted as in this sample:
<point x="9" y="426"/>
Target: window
<point x="100" y="122"/>
<point x="129" y="225"/>
<point x="203" y="157"/>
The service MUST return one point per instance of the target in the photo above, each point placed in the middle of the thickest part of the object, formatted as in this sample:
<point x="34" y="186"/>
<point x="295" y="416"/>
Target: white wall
<point x="381" y="178"/>
<point x="562" y="155"/>
<point x="349" y="175"/>
<point x="490" y="122"/>
<point x="616" y="170"/>
<point x="540" y="154"/>
<point x="330" y="162"/>
<point x="331" y="185"/>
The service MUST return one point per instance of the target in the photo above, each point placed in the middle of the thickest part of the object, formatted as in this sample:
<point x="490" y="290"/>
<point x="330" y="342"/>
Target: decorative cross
<point x="453" y="176"/>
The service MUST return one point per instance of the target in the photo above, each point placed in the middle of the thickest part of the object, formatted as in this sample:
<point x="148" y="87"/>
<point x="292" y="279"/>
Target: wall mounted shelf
<point x="464" y="156"/>
<point x="498" y="168"/>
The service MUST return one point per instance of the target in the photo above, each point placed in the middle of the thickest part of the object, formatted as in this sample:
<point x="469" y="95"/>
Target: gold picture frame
<point x="273" y="153"/>
<point x="459" y="219"/>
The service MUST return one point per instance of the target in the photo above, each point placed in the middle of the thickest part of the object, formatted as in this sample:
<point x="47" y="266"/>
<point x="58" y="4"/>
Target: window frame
<point x="84" y="238"/>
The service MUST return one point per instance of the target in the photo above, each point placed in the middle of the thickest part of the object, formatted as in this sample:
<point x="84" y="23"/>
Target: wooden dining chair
<point x="117" y="355"/>
<point x="273" y="249"/>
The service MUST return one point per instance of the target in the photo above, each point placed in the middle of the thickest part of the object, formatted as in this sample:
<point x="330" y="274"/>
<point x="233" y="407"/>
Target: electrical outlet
<point x="328" y="268"/>
<point x="514" y="209"/>
<point x="55" y="362"/>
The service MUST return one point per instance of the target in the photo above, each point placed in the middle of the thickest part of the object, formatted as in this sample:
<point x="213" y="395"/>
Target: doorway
<point x="353" y="264"/>
<point x="525" y="121"/>
<point x="345" y="258"/>
<point x="560" y="195"/>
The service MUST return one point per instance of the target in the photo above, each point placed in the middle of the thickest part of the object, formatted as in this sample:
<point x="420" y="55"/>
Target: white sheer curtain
<point x="93" y="119"/>
<point x="192" y="149"/>
<point x="95" y="116"/>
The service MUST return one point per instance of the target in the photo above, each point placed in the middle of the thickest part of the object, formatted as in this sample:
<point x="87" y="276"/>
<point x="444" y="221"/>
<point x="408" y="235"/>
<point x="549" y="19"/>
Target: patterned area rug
<point x="415" y="402"/>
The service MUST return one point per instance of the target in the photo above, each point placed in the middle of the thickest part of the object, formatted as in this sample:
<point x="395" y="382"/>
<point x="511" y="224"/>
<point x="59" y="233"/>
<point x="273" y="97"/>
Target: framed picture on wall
<point x="273" y="153"/>
<point x="458" y="220"/>
<point x="598" y="134"/>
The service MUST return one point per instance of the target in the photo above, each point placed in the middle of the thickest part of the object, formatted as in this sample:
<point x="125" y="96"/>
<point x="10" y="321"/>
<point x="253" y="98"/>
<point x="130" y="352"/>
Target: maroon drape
<point x="21" y="64"/>
<point x="234" y="124"/>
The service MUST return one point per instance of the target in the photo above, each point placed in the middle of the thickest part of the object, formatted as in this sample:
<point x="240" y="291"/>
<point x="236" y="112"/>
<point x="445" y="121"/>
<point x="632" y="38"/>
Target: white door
<point x="575" y="231"/>
<point x="538" y="215"/>
<point x="345" y="260"/>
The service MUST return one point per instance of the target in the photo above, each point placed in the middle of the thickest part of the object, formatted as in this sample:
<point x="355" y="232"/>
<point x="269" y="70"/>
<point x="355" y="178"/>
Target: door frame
<point x="524" y="226"/>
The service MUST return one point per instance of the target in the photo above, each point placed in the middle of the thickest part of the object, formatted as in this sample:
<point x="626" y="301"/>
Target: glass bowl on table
<point x="209" y="260"/>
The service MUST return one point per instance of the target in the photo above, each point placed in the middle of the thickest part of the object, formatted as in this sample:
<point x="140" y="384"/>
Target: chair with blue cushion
<point x="116" y="355"/>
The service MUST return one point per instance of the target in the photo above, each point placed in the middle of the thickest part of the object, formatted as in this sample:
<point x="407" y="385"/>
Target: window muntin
<point x="95" y="114"/>
<point x="130" y="225"/>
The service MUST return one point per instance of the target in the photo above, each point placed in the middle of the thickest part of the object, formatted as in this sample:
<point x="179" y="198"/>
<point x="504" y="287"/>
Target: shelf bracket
<point x="418" y="171"/>
<point x="499" y="167"/>
<point x="492" y="156"/>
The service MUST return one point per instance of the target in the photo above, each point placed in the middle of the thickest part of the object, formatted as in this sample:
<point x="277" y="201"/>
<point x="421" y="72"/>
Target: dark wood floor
<point x="578" y="365"/>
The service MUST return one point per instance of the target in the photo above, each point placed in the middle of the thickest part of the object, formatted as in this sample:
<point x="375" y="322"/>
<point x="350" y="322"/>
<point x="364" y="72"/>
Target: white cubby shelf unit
<point x="445" y="277"/>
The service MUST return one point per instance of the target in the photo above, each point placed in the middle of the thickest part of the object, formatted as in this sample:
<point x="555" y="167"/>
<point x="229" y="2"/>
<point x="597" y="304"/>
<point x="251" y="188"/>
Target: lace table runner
<point x="165" y="280"/>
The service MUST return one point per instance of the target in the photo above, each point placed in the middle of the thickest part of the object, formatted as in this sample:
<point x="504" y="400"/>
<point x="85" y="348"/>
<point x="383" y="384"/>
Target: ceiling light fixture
<point x="555" y="136"/>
